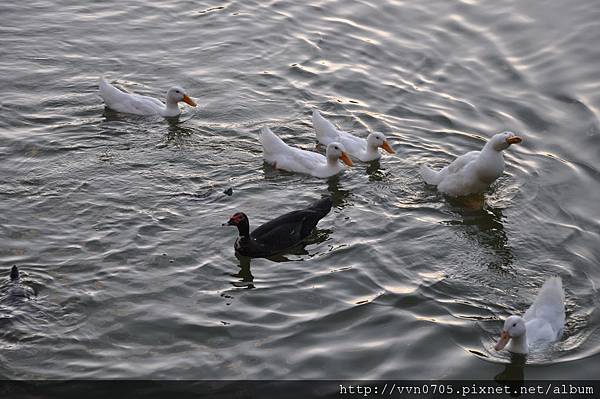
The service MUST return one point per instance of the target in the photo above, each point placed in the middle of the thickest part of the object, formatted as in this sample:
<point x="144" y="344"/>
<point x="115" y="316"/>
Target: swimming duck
<point x="542" y="323"/>
<point x="365" y="150"/>
<point x="279" y="234"/>
<point x="16" y="290"/>
<point x="473" y="172"/>
<point x="282" y="156"/>
<point x="131" y="103"/>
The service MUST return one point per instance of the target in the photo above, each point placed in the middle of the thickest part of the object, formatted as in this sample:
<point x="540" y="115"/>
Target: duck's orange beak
<point x="386" y="146"/>
<point x="514" y="140"/>
<point x="188" y="100"/>
<point x="346" y="159"/>
<point x="504" y="338"/>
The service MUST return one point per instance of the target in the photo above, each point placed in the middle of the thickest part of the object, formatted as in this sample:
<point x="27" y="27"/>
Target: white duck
<point x="542" y="323"/>
<point x="282" y="156"/>
<point x="143" y="105"/>
<point x="473" y="172"/>
<point x="364" y="150"/>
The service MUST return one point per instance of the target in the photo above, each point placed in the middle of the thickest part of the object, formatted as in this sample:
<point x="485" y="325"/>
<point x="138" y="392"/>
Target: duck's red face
<point x="236" y="219"/>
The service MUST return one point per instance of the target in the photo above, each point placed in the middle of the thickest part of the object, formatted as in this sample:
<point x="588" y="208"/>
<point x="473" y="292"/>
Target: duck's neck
<point x="171" y="109"/>
<point x="332" y="162"/>
<point x="372" y="151"/>
<point x="519" y="344"/>
<point x="489" y="148"/>
<point x="490" y="164"/>
<point x="244" y="228"/>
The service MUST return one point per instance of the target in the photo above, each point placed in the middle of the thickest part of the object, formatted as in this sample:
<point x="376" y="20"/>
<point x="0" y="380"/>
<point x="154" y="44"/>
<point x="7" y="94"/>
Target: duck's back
<point x="461" y="176"/>
<point x="120" y="101"/>
<point x="291" y="228"/>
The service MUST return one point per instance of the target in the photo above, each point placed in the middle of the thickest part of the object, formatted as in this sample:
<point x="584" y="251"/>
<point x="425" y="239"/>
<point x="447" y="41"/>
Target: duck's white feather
<point x="545" y="318"/>
<point x="327" y="134"/>
<point x="541" y="324"/>
<point x="365" y="150"/>
<point x="473" y="172"/>
<point x="285" y="157"/>
<point x="458" y="178"/>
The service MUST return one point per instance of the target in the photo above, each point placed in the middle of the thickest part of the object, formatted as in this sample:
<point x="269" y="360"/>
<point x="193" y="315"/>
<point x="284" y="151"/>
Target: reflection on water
<point x="177" y="134"/>
<point x="339" y="196"/>
<point x="374" y="172"/>
<point x="513" y="374"/>
<point x="485" y="226"/>
<point x="245" y="276"/>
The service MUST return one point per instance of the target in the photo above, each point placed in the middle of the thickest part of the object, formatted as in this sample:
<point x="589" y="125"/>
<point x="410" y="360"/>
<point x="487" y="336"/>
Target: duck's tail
<point x="325" y="130"/>
<point x="429" y="175"/>
<point x="109" y="93"/>
<point x="549" y="304"/>
<point x="552" y="289"/>
<point x="271" y="143"/>
<point x="103" y="83"/>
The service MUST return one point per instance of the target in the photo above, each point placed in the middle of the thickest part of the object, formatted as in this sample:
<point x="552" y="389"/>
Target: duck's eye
<point x="514" y="325"/>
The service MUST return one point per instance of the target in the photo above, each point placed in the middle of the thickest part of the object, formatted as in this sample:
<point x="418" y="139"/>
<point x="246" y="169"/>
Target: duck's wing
<point x="540" y="331"/>
<point x="450" y="174"/>
<point x="148" y="100"/>
<point x="281" y="228"/>
<point x="287" y="230"/>
<point x="460" y="163"/>
<point x="354" y="145"/>
<point x="549" y="305"/>
<point x="126" y="102"/>
<point x="432" y="177"/>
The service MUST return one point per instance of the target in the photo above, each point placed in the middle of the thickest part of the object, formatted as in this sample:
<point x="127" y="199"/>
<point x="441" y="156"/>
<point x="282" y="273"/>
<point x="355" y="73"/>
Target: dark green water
<point x="116" y="220"/>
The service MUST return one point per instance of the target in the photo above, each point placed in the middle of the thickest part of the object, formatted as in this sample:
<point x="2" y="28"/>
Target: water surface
<point x="116" y="220"/>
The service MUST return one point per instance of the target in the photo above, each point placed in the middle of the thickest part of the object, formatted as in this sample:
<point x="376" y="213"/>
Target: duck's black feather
<point x="284" y="231"/>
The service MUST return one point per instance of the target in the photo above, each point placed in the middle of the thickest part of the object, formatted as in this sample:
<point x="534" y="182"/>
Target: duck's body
<point x="131" y="103"/>
<point x="282" y="156"/>
<point x="542" y="323"/>
<point x="364" y="150"/>
<point x="279" y="234"/>
<point x="473" y="172"/>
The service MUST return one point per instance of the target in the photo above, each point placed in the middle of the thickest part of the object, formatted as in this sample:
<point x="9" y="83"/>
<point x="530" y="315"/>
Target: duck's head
<point x="337" y="151"/>
<point x="377" y="140"/>
<point x="514" y="327"/>
<point x="177" y="94"/>
<point x="14" y="273"/>
<point x="502" y="141"/>
<point x="237" y="219"/>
